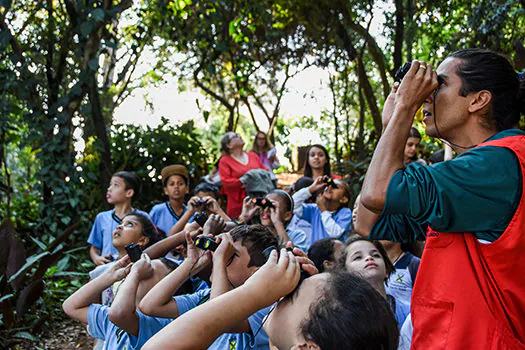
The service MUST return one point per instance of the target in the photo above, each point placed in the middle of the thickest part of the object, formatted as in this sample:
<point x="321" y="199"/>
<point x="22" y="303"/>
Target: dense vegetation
<point x="66" y="65"/>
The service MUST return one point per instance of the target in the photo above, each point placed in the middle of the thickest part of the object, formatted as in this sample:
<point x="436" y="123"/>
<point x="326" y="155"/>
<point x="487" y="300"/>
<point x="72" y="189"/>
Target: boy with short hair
<point x="238" y="256"/>
<point x="123" y="188"/>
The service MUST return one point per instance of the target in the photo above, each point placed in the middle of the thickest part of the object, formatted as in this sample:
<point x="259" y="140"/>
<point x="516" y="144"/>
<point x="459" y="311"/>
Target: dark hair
<point x="268" y="146"/>
<point x="322" y="250"/>
<point x="487" y="70"/>
<point x="132" y="182"/>
<point x="308" y="168"/>
<point x="149" y="230"/>
<point x="389" y="267"/>
<point x="414" y="133"/>
<point x="208" y="188"/>
<point x="256" y="238"/>
<point x="351" y="312"/>
<point x="287" y="198"/>
<point x="303" y="182"/>
<point x="437" y="157"/>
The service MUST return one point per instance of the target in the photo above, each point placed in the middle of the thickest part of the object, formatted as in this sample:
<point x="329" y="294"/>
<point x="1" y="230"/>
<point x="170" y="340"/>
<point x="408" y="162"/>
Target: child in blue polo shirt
<point x="238" y="256"/>
<point x="123" y="188"/>
<point x="140" y="278"/>
<point x="205" y="199"/>
<point x="330" y="215"/>
<point x="175" y="179"/>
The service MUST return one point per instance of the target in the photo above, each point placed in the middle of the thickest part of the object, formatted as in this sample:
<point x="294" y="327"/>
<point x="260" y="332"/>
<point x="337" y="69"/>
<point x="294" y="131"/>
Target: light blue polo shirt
<point x="101" y="235"/>
<point x="164" y="217"/>
<point x="312" y="214"/>
<point x="257" y="339"/>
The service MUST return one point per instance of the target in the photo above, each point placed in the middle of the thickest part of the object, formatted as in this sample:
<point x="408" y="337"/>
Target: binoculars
<point x="403" y="70"/>
<point x="134" y="251"/>
<point x="262" y="202"/>
<point x="206" y="243"/>
<point x="201" y="218"/>
<point x="330" y="182"/>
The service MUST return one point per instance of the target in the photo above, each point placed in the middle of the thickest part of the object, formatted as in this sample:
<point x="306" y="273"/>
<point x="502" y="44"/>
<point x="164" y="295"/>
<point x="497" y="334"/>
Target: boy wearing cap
<point x="175" y="179"/>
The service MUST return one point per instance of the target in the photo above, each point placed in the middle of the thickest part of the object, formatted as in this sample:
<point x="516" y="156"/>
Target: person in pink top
<point x="232" y="166"/>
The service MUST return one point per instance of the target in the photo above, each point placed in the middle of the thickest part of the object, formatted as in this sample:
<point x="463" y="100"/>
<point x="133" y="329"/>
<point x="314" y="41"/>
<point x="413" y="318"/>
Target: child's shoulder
<point x="158" y="207"/>
<point x="104" y="214"/>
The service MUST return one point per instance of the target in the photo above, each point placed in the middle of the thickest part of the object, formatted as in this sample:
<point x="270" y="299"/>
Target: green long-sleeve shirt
<point x="478" y="191"/>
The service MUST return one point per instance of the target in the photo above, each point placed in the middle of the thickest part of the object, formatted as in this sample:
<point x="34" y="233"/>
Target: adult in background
<point x="233" y="165"/>
<point x="267" y="153"/>
<point x="470" y="289"/>
<point x="317" y="163"/>
<point x="411" y="148"/>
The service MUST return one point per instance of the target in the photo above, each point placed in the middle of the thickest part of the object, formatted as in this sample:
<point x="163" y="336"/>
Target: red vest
<point x="470" y="295"/>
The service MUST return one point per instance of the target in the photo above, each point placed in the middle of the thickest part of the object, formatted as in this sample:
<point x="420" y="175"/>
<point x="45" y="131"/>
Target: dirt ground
<point x="65" y="334"/>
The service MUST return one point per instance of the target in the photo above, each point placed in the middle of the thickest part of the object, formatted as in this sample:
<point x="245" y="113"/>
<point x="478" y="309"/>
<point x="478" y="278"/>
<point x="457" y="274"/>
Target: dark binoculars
<point x="262" y="202"/>
<point x="134" y="251"/>
<point x="403" y="70"/>
<point x="330" y="182"/>
<point x="206" y="243"/>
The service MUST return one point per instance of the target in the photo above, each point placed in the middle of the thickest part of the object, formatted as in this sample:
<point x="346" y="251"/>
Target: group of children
<point x="248" y="292"/>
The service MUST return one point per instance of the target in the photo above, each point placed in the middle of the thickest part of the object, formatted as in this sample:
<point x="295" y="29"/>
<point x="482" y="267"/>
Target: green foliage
<point x="147" y="150"/>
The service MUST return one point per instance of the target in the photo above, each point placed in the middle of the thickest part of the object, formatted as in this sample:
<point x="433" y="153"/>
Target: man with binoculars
<point x="470" y="289"/>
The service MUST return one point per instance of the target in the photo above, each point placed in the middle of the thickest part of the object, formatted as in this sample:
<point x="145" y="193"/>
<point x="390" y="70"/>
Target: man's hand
<point x="214" y="225"/>
<point x="388" y="107"/>
<point x="142" y="268"/>
<point x="416" y="86"/>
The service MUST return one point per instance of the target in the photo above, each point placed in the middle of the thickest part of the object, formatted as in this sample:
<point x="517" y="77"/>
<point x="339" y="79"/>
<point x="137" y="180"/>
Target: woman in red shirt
<point x="232" y="166"/>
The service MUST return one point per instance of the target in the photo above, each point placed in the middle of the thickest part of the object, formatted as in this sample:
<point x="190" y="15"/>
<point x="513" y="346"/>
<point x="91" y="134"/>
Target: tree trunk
<point x="99" y="124"/>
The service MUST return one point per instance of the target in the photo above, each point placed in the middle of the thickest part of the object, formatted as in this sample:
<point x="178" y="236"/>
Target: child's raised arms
<point x="76" y="306"/>
<point x="198" y="328"/>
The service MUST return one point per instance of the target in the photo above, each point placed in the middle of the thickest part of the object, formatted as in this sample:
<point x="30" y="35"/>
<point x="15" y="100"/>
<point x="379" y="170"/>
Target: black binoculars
<point x="262" y="202"/>
<point x="134" y="251"/>
<point x="206" y="243"/>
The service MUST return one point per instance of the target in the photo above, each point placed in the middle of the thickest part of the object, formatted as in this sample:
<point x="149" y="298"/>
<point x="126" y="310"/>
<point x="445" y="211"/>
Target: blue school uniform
<point x="257" y="339"/>
<point x="401" y="281"/>
<point x="164" y="217"/>
<point x="335" y="224"/>
<point x="299" y="224"/>
<point x="298" y="238"/>
<point x="101" y="235"/>
<point x="101" y="327"/>
<point x="148" y="327"/>
<point x="115" y="338"/>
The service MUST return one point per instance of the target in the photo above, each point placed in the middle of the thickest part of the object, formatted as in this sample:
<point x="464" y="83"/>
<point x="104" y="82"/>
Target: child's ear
<point x="130" y="193"/>
<point x="344" y="200"/>
<point x="288" y="216"/>
<point x="328" y="265"/>
<point x="143" y="241"/>
<point x="166" y="191"/>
